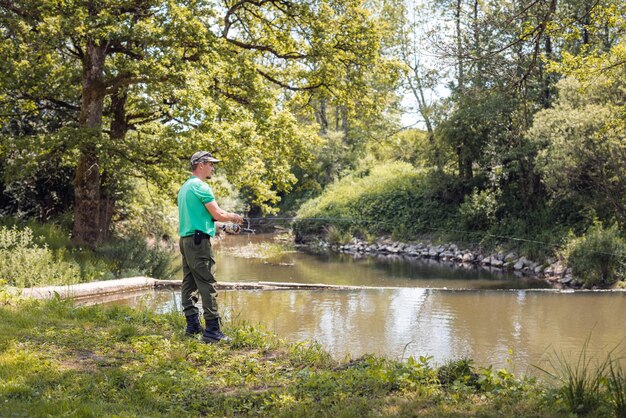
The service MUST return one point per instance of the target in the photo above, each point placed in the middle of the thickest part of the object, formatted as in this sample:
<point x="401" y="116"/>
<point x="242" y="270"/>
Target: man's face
<point x="207" y="168"/>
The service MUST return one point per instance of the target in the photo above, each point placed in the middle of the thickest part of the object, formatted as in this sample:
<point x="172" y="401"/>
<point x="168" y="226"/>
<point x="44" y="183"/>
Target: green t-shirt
<point x="192" y="213"/>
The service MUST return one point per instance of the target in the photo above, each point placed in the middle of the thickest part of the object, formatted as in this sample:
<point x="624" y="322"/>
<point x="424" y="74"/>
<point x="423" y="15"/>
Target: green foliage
<point x="134" y="257"/>
<point x="581" y="141"/>
<point x="409" y="145"/>
<point x="48" y="234"/>
<point x="584" y="382"/>
<point x="33" y="188"/>
<point x="616" y="386"/>
<point x="457" y="372"/>
<point x="598" y="257"/>
<point x="335" y="235"/>
<point x="478" y="211"/>
<point x="36" y="260"/>
<point x="390" y="197"/>
<point x="148" y="211"/>
<point x="23" y="263"/>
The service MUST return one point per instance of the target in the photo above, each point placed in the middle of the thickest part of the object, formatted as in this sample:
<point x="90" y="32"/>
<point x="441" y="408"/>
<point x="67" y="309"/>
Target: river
<point x="425" y="308"/>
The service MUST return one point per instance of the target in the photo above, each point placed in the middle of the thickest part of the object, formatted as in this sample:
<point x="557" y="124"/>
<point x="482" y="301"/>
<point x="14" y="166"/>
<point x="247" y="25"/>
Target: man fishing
<point x="198" y="210"/>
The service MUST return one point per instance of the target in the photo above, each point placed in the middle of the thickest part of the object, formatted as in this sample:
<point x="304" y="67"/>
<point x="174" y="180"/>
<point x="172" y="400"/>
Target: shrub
<point x="457" y="372"/>
<point x="23" y="263"/>
<point x="597" y="257"/>
<point x="583" y="381"/>
<point x="335" y="235"/>
<point x="49" y="234"/>
<point x="478" y="211"/>
<point x="134" y="257"/>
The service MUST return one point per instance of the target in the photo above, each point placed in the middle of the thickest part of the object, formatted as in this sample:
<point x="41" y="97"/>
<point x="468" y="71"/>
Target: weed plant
<point x="24" y="263"/>
<point x="134" y="257"/>
<point x="616" y="385"/>
<point x="28" y="259"/>
<point x="587" y="385"/>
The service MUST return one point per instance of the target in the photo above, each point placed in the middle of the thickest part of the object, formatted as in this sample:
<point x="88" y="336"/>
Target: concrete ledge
<point x="133" y="284"/>
<point x="82" y="290"/>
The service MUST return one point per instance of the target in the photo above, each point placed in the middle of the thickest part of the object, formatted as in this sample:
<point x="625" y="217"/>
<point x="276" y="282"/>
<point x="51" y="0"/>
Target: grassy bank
<point x="57" y="359"/>
<point x="394" y="199"/>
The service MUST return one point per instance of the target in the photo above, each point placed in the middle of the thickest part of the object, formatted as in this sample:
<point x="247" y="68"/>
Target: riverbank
<point x="59" y="359"/>
<point x="553" y="271"/>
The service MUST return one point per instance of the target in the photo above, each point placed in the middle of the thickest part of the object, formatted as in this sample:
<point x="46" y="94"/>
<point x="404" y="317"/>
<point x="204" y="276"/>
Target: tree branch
<point x="265" y="48"/>
<point x="287" y="86"/>
<point x="252" y="46"/>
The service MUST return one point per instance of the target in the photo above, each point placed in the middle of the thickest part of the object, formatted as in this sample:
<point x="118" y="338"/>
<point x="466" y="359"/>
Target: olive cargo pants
<point x="198" y="275"/>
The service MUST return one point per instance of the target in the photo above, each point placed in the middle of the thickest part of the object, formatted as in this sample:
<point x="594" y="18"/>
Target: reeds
<point x="585" y="382"/>
<point x="616" y="387"/>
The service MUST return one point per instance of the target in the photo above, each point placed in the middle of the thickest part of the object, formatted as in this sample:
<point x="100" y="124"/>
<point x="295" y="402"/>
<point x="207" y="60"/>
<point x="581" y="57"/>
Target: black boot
<point x="212" y="333"/>
<point x="193" y="325"/>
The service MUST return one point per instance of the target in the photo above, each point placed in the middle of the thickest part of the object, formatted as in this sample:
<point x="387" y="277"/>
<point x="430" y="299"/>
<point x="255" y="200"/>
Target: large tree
<point x="142" y="83"/>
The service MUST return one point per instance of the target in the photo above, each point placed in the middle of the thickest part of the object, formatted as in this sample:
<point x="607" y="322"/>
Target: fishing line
<point x="373" y="221"/>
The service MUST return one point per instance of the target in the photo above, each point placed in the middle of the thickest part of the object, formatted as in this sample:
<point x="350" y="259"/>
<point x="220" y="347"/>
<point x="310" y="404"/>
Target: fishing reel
<point x="233" y="229"/>
<point x="229" y="228"/>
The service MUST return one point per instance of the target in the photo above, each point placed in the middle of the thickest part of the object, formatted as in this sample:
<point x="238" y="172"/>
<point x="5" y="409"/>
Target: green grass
<point x="616" y="384"/>
<point x="60" y="360"/>
<point x="588" y="385"/>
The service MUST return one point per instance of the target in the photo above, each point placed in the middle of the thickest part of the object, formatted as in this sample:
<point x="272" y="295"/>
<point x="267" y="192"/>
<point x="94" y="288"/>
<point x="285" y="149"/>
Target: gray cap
<point x="202" y="157"/>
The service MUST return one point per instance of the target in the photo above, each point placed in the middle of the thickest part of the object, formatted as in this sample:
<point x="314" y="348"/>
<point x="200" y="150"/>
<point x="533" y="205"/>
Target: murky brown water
<point x="496" y="319"/>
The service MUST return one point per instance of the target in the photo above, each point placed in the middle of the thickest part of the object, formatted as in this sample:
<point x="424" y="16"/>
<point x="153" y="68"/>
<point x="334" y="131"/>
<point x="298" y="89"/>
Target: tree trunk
<point x="344" y="123"/>
<point x="586" y="21"/>
<point x="547" y="79"/>
<point x="87" y="179"/>
<point x="118" y="128"/>
<point x="459" y="47"/>
<point x="323" y="118"/>
<point x="425" y="110"/>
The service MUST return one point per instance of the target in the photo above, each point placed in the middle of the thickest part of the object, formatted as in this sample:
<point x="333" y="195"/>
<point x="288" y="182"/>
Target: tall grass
<point x="584" y="382"/>
<point x="616" y="385"/>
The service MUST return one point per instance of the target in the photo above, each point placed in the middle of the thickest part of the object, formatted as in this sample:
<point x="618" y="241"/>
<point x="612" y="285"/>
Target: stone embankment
<point x="552" y="270"/>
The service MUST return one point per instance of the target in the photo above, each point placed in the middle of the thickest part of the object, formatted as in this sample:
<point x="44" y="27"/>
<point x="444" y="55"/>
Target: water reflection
<point x="371" y="270"/>
<point x="490" y="327"/>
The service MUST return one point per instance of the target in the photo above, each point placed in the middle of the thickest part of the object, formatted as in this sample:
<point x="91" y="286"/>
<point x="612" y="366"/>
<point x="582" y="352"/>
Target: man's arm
<point x="221" y="215"/>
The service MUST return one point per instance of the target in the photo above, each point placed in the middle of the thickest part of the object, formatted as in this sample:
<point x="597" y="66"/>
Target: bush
<point x="23" y="263"/>
<point x="335" y="235"/>
<point x="457" y="372"/>
<point x="49" y="234"/>
<point x="478" y="211"/>
<point x="390" y="198"/>
<point x="134" y="257"/>
<point x="597" y="257"/>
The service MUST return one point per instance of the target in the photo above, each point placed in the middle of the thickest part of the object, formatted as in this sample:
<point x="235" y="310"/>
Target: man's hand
<point x="238" y="219"/>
